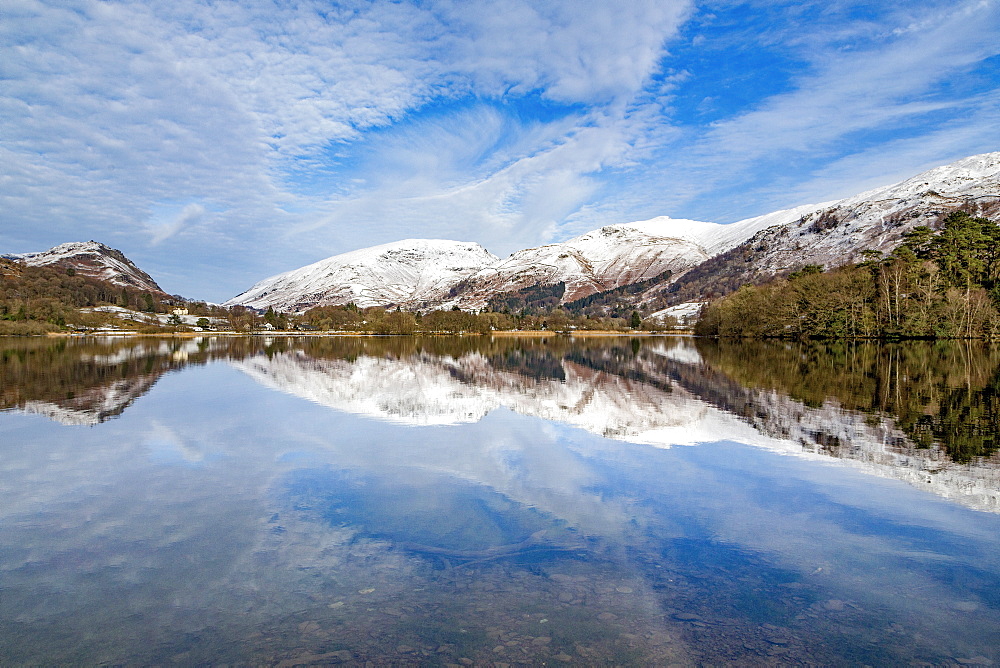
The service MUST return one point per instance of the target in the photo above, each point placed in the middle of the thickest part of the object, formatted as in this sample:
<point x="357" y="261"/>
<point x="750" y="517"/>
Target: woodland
<point x="937" y="284"/>
<point x="36" y="300"/>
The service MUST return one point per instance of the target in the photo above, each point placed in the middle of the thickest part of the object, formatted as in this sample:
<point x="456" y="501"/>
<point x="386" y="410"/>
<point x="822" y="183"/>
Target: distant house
<point x="179" y="311"/>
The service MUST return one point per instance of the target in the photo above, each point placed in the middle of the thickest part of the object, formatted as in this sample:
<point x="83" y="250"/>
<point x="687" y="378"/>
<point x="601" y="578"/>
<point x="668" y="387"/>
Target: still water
<point x="505" y="502"/>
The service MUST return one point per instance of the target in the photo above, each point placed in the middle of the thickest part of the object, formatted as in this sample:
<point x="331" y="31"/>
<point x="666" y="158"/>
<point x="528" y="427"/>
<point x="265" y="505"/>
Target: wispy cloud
<point x="485" y="176"/>
<point x="110" y="109"/>
<point x="898" y="159"/>
<point x="858" y="91"/>
<point x="868" y="87"/>
<point x="190" y="215"/>
<point x="584" y="51"/>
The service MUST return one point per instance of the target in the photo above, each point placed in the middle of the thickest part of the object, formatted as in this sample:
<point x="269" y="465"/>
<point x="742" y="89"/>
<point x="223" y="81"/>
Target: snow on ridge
<point x="947" y="179"/>
<point x="397" y="272"/>
<point x="715" y="238"/>
<point x="414" y="271"/>
<point x="67" y="249"/>
<point x="616" y="255"/>
<point x="61" y="252"/>
<point x="878" y="219"/>
<point x="598" y="260"/>
<point x="93" y="259"/>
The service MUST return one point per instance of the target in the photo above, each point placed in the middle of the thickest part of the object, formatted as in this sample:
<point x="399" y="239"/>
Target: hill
<point x="673" y="261"/>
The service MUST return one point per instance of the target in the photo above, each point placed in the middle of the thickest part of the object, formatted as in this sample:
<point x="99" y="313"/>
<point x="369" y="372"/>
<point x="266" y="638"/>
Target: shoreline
<point x="534" y="333"/>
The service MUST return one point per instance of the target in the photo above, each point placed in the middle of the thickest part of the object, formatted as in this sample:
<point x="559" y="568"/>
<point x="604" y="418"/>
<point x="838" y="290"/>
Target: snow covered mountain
<point x="879" y="218"/>
<point x="837" y="233"/>
<point x="613" y="256"/>
<point x="93" y="259"/>
<point x="420" y="273"/>
<point x="404" y="273"/>
<point x="701" y="256"/>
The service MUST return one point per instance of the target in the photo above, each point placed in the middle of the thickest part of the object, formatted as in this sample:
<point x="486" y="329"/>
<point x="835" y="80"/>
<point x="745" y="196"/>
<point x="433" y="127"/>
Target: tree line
<point x="377" y="320"/>
<point x="35" y="300"/>
<point x="936" y="284"/>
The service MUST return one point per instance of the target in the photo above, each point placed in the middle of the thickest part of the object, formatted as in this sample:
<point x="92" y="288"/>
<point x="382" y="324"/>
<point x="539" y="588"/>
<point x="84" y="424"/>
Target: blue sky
<point x="217" y="143"/>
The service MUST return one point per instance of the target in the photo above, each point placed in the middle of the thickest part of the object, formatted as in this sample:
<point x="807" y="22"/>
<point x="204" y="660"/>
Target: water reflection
<point x="925" y="413"/>
<point x="943" y="393"/>
<point x="88" y="381"/>
<point x="217" y="520"/>
<point x="900" y="411"/>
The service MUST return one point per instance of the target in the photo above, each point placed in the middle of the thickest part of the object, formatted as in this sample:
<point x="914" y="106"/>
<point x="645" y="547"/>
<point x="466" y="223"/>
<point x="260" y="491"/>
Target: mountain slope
<point x="94" y="260"/>
<point x="442" y="274"/>
<point x="839" y="232"/>
<point x="689" y="260"/>
<point x="404" y="273"/>
<point x="608" y="258"/>
<point x="596" y="261"/>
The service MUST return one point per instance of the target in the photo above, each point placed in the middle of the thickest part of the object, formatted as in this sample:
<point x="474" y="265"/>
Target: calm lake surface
<point x="468" y="501"/>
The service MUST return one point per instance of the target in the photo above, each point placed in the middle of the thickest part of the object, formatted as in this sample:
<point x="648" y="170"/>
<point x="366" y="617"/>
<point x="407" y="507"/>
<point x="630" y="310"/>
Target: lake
<point x="498" y="502"/>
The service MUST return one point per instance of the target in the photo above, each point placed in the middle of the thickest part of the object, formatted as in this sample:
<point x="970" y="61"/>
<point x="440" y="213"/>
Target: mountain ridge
<point x="679" y="260"/>
<point x="693" y="260"/>
<point x="840" y="232"/>
<point x="93" y="260"/>
<point x="402" y="273"/>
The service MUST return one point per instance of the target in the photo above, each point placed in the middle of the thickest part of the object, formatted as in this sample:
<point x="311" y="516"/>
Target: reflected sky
<point x="221" y="518"/>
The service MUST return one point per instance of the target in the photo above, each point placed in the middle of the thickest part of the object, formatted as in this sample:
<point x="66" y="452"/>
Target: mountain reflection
<point x="89" y="381"/>
<point x="924" y="413"/>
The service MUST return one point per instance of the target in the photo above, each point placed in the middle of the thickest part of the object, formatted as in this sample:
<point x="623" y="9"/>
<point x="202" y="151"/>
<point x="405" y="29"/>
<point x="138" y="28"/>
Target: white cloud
<point x="486" y="176"/>
<point x="900" y="85"/>
<point x="101" y="120"/>
<point x="575" y="51"/>
<point x="190" y="215"/>
<point x="900" y="159"/>
<point x="111" y="110"/>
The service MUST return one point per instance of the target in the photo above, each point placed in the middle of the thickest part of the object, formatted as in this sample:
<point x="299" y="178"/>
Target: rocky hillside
<point x="420" y="273"/>
<point x="93" y="260"/>
<point x="839" y="232"/>
<point x="611" y="257"/>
